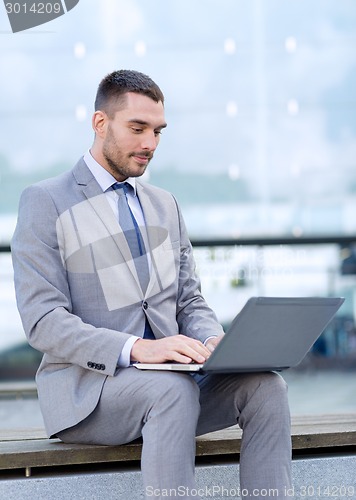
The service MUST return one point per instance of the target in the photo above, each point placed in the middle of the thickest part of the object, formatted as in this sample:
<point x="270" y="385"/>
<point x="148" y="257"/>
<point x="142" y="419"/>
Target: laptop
<point x="269" y="334"/>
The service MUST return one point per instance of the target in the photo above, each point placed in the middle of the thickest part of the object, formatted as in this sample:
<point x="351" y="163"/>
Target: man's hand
<point x="212" y="343"/>
<point x="177" y="348"/>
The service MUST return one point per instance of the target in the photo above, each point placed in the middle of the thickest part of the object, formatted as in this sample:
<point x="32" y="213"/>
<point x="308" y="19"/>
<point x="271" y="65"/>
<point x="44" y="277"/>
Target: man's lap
<point x="127" y="399"/>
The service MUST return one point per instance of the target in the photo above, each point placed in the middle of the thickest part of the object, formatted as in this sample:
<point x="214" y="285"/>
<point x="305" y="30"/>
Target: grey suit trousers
<point x="169" y="409"/>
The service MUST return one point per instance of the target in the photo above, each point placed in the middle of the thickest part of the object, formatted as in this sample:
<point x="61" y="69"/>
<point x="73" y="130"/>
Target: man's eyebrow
<point x="137" y="121"/>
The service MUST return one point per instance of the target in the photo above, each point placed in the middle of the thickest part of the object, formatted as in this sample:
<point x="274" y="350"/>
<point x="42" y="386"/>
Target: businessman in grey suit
<point x="85" y="304"/>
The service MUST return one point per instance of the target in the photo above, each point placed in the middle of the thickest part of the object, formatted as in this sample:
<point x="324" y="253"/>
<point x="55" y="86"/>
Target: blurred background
<point x="260" y="151"/>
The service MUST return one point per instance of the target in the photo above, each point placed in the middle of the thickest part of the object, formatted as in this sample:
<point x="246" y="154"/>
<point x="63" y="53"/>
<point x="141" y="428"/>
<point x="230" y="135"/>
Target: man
<point x="93" y="307"/>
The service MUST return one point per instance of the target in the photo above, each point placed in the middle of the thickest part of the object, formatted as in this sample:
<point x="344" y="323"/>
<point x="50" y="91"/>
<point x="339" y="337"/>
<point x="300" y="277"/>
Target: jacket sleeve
<point x="43" y="294"/>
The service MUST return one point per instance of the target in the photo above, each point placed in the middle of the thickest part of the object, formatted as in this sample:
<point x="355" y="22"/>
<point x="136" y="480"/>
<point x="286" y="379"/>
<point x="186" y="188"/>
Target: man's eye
<point x="136" y="130"/>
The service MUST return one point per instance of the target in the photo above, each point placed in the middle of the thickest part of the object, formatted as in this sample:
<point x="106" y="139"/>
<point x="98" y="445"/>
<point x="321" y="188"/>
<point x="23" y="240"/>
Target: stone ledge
<point x="25" y="449"/>
<point x="313" y="478"/>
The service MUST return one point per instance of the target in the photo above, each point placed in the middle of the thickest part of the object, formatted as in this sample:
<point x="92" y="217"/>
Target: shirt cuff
<point x="125" y="356"/>
<point x="211" y="337"/>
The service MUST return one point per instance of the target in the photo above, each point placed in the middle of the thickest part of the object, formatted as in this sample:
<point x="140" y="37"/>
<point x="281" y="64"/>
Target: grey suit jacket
<point x="78" y="292"/>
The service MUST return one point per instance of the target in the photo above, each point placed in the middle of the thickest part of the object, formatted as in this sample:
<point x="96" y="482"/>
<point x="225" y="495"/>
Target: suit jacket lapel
<point x="100" y="205"/>
<point x="154" y="233"/>
<point x="151" y="216"/>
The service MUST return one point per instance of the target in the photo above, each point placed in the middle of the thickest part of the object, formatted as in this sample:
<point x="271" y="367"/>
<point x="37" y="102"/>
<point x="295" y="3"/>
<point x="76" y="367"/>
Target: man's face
<point x="132" y="136"/>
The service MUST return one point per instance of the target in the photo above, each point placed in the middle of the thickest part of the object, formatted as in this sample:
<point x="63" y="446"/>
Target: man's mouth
<point x="142" y="158"/>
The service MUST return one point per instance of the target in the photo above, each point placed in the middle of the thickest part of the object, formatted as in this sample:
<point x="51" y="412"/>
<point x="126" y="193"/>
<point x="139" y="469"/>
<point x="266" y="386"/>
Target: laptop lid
<point x="272" y="333"/>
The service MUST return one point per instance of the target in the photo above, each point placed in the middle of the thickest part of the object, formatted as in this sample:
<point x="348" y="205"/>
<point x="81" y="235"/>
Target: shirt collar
<point x="102" y="176"/>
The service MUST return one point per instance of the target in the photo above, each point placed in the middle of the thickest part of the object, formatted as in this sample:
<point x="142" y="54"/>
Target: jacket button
<point x="145" y="305"/>
<point x="89" y="364"/>
<point x="102" y="367"/>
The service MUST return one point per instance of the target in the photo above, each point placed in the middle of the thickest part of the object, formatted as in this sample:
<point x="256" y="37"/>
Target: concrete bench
<point x="29" y="448"/>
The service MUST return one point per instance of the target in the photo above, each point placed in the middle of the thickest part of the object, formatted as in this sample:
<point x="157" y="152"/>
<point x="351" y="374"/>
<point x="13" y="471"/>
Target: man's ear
<point x="99" y="123"/>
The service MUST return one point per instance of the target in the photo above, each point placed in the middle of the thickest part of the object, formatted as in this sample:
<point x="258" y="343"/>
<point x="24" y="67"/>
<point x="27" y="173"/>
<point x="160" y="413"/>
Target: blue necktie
<point x="135" y="242"/>
<point x="132" y="234"/>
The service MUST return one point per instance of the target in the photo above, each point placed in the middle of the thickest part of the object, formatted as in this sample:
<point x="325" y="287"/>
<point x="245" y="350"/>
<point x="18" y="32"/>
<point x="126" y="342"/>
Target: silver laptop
<point x="269" y="333"/>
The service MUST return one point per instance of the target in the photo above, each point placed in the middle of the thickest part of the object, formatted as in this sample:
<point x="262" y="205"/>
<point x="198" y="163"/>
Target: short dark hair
<point x="114" y="86"/>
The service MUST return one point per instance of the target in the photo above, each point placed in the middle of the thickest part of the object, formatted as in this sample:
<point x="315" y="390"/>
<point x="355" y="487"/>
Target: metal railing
<point x="276" y="241"/>
<point x="262" y="241"/>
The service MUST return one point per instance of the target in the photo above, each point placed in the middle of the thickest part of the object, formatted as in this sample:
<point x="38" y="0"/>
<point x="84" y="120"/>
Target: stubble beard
<point x="119" y="166"/>
<point x="118" y="162"/>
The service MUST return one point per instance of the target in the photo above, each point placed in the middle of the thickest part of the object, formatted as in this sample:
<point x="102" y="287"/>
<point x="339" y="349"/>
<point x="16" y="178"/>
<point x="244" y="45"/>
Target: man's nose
<point x="149" y="141"/>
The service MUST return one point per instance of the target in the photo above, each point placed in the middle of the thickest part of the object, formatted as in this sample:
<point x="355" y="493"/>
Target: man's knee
<point x="266" y="390"/>
<point x="178" y="390"/>
<point x="273" y="395"/>
<point x="272" y="385"/>
<point x="276" y="385"/>
<point x="271" y="382"/>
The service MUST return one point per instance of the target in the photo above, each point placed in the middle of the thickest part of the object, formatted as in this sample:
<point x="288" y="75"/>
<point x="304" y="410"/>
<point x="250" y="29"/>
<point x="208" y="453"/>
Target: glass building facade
<point x="261" y="137"/>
